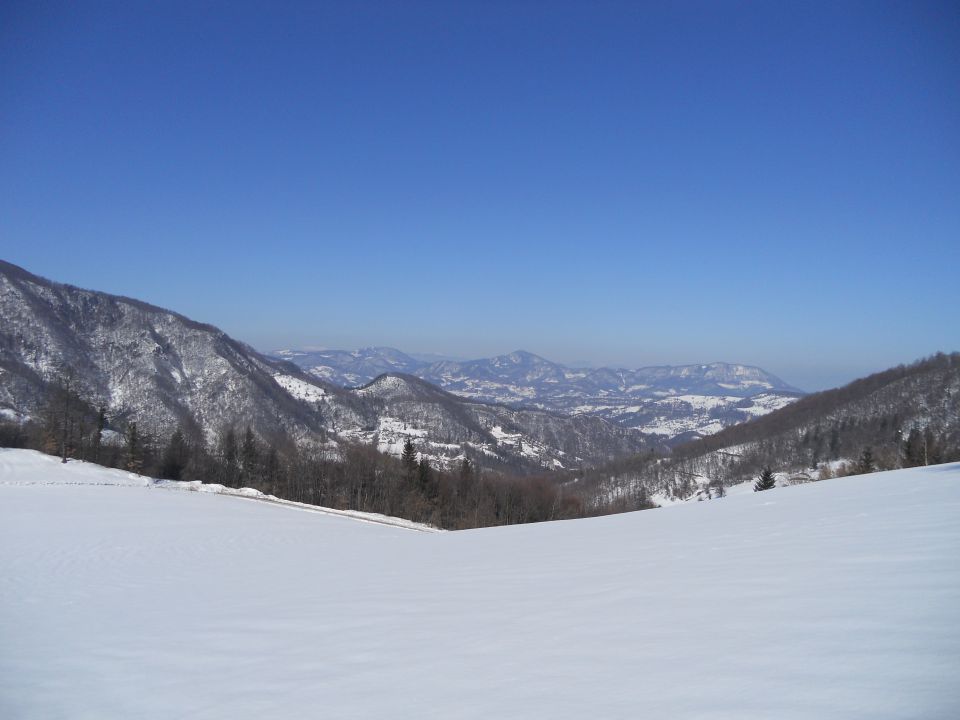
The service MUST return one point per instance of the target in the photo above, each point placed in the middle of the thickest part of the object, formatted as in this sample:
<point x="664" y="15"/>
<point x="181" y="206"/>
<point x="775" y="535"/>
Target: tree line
<point x="904" y="417"/>
<point x="349" y="477"/>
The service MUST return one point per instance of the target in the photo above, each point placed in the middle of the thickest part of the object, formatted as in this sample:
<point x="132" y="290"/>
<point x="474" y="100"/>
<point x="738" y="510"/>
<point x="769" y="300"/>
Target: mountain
<point x="142" y="362"/>
<point x="163" y="370"/>
<point x="351" y="368"/>
<point x="908" y="415"/>
<point x="447" y="425"/>
<point x="672" y="402"/>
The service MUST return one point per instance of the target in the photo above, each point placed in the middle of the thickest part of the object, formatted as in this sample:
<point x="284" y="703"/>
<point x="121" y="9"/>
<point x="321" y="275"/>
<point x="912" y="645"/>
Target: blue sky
<point x="612" y="183"/>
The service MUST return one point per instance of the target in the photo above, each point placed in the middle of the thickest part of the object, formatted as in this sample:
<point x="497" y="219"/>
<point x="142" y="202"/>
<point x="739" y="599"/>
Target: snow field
<point x="838" y="599"/>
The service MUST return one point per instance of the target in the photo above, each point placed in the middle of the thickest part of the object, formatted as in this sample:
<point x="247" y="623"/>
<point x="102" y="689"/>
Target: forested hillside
<point x="902" y="417"/>
<point x="151" y="366"/>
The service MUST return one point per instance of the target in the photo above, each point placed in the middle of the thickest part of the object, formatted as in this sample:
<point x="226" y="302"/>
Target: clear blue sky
<point x="616" y="183"/>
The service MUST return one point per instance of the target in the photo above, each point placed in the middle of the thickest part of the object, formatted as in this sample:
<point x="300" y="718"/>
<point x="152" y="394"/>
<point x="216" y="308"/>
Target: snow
<point x="836" y="599"/>
<point x="529" y="448"/>
<point x="743" y="384"/>
<point x="12" y="415"/>
<point x="28" y="467"/>
<point x="300" y="389"/>
<point x="763" y="404"/>
<point x="500" y="434"/>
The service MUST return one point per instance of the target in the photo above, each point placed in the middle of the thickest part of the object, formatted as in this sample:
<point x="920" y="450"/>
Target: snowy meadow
<point x="122" y="598"/>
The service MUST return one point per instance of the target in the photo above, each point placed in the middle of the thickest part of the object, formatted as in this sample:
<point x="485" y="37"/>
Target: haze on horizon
<point x="597" y="183"/>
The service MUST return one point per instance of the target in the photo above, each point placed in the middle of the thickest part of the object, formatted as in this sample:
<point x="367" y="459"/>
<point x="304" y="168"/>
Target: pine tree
<point x="174" y="457"/>
<point x="717" y="490"/>
<point x="766" y="481"/>
<point x="134" y="460"/>
<point x="865" y="463"/>
<point x="425" y="478"/>
<point x="229" y="457"/>
<point x="249" y="458"/>
<point x="409" y="460"/>
<point x="272" y="470"/>
<point x="98" y="434"/>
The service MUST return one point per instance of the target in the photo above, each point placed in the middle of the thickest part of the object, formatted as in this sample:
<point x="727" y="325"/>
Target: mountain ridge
<point x="163" y="370"/>
<point x="671" y="401"/>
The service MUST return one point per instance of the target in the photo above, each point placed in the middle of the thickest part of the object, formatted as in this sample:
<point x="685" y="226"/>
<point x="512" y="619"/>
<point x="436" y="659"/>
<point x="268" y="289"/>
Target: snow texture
<point x="838" y="599"/>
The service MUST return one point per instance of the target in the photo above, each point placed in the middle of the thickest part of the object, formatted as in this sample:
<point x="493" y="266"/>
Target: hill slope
<point x="163" y="370"/>
<point x="833" y="600"/>
<point x="143" y="362"/>
<point x="907" y="415"/>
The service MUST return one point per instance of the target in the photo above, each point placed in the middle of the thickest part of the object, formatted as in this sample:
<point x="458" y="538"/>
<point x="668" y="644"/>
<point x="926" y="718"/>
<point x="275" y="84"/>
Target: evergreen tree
<point x="272" y="471"/>
<point x="865" y="464"/>
<point x="98" y="434"/>
<point x="409" y="460"/>
<point x="914" y="449"/>
<point x="425" y="478"/>
<point x="134" y="451"/>
<point x="834" y="442"/>
<point x="466" y="469"/>
<point x="249" y="458"/>
<point x="766" y="481"/>
<point x="174" y="457"/>
<point x="230" y="459"/>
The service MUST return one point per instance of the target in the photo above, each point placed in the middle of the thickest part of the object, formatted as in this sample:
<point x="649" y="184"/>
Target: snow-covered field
<point x="838" y="599"/>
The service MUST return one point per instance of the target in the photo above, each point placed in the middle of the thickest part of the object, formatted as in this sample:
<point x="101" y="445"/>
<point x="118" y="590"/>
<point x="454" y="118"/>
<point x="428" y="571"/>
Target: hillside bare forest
<point x="902" y="417"/>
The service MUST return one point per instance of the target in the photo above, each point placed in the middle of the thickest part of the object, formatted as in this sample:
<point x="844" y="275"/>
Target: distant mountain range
<point x="163" y="370"/>
<point x="673" y="402"/>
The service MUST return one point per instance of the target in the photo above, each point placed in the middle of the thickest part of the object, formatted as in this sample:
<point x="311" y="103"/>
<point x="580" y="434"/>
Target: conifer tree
<point x="271" y="470"/>
<point x="249" y="457"/>
<point x="409" y="460"/>
<point x="425" y="478"/>
<point x="229" y="457"/>
<point x="98" y="433"/>
<point x="134" y="453"/>
<point x="174" y="457"/>
<point x="913" y="449"/>
<point x="865" y="464"/>
<point x="766" y="481"/>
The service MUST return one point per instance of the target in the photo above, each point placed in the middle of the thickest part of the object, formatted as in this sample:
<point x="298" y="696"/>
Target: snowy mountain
<point x="162" y="370"/>
<point x="142" y="362"/>
<point x="668" y="401"/>
<point x="832" y="600"/>
<point x="351" y="368"/>
<point x="444" y="425"/>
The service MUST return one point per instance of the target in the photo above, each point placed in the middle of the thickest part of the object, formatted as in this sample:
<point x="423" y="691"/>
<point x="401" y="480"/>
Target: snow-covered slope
<point x="30" y="467"/>
<point x="838" y="599"/>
